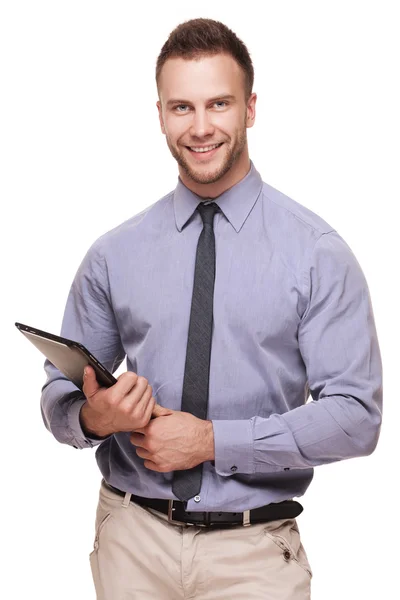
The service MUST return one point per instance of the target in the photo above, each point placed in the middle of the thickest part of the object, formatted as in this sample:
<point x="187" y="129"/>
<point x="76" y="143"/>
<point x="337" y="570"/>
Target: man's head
<point x="204" y="78"/>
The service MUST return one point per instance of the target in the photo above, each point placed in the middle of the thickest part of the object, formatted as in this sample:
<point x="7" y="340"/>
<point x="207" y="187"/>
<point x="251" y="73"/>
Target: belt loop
<point x="246" y="518"/>
<point x="126" y="499"/>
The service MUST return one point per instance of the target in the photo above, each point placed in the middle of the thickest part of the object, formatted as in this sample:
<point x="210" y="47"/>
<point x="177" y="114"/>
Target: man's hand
<point x="125" y="406"/>
<point x="174" y="442"/>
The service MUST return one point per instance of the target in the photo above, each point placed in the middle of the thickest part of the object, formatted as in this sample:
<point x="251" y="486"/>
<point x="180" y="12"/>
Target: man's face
<point x="204" y="115"/>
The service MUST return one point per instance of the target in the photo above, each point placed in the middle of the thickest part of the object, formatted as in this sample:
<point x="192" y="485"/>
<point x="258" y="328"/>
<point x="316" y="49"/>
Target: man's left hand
<point x="174" y="442"/>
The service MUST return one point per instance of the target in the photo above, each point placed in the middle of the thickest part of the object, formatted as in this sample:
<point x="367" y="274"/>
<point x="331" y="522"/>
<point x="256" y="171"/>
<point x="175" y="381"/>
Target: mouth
<point x="202" y="152"/>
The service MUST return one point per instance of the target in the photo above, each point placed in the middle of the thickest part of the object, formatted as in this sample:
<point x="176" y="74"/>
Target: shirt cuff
<point x="233" y="442"/>
<point x="80" y="439"/>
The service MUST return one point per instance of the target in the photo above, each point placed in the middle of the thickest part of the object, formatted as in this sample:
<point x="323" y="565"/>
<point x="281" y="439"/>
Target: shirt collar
<point x="236" y="203"/>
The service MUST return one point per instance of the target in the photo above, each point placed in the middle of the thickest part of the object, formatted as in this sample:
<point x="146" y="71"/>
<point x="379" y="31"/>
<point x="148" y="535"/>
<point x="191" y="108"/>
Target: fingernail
<point x="85" y="372"/>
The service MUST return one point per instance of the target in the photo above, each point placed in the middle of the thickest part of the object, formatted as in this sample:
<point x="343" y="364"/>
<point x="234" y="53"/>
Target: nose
<point x="201" y="125"/>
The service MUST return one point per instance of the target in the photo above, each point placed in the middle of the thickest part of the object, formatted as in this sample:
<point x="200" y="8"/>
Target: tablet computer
<point x="67" y="356"/>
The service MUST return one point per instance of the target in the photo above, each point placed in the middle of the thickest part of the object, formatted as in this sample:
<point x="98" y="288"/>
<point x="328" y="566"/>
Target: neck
<point x="231" y="178"/>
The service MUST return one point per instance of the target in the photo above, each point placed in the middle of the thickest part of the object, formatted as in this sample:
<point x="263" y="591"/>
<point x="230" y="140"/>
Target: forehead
<point x="201" y="78"/>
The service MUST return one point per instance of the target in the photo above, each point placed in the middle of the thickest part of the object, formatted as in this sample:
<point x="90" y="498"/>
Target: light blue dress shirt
<point x="295" y="374"/>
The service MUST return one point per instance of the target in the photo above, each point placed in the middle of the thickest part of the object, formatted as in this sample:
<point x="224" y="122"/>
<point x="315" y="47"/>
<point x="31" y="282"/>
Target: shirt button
<point x="286" y="469"/>
<point x="233" y="469"/>
<point x="197" y="498"/>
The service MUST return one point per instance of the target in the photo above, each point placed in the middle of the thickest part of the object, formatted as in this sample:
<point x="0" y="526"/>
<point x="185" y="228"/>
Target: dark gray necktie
<point x="186" y="484"/>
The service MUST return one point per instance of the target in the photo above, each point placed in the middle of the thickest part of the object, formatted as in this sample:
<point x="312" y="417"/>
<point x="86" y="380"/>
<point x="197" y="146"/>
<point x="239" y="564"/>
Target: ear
<point x="251" y="110"/>
<point x="160" y="117"/>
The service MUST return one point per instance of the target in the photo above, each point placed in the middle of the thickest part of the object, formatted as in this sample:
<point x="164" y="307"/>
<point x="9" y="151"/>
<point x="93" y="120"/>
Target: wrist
<point x="208" y="439"/>
<point x="91" y="425"/>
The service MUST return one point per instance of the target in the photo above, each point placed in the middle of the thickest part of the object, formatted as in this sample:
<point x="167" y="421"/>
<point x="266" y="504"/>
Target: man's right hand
<point x="125" y="406"/>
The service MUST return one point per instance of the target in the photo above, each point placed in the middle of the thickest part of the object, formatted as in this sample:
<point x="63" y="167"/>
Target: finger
<point x="142" y="453"/>
<point x="90" y="385"/>
<point x="137" y="439"/>
<point x="147" y="416"/>
<point x="161" y="411"/>
<point x="139" y="403"/>
<point x="126" y="382"/>
<point x="149" y="464"/>
<point x="140" y="430"/>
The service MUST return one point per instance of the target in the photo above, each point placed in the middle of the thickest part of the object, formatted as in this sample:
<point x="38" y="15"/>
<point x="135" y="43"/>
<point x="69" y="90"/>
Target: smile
<point x="205" y="150"/>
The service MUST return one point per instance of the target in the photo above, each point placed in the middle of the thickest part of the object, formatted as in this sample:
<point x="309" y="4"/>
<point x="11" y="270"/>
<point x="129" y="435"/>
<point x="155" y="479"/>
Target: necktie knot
<point x="207" y="212"/>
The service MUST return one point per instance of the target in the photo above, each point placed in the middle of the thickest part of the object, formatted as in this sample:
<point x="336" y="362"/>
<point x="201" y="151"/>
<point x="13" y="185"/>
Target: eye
<point x="219" y="102"/>
<point x="180" y="106"/>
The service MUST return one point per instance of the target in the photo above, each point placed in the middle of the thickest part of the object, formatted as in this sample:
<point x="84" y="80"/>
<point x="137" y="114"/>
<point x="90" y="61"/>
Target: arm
<point x="339" y="346"/>
<point x="89" y="319"/>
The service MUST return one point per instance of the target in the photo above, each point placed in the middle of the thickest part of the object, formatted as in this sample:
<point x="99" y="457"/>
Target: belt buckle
<point x="246" y="517"/>
<point x="170" y="511"/>
<point x="174" y="521"/>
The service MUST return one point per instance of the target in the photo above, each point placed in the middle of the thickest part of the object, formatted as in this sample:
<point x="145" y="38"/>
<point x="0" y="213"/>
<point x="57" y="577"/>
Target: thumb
<point x="161" y="411"/>
<point x="90" y="385"/>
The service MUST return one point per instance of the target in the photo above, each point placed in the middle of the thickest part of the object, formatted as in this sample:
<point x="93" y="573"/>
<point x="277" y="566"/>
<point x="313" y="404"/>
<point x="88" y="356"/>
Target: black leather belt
<point x="288" y="509"/>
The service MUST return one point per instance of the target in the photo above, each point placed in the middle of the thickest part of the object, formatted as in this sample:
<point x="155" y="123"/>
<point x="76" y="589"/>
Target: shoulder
<point x="143" y="226"/>
<point x="315" y="234"/>
<point x="300" y="237"/>
<point x="292" y="215"/>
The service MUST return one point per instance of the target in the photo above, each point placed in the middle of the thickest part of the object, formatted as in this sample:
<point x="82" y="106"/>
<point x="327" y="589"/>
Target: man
<point x="232" y="304"/>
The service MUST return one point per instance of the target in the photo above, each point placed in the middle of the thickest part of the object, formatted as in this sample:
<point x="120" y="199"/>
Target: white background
<point x="81" y="151"/>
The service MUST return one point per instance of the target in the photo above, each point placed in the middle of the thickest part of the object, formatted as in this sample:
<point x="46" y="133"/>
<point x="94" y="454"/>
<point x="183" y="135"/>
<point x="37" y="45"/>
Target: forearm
<point x="61" y="418"/>
<point x="61" y="405"/>
<point x="320" y="432"/>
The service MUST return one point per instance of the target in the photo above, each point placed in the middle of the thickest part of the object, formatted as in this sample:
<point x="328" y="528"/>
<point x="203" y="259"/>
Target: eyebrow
<point x="214" y="99"/>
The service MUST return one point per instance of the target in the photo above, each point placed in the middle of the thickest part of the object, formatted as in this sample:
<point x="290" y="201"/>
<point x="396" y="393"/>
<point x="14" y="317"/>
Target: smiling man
<point x="233" y="304"/>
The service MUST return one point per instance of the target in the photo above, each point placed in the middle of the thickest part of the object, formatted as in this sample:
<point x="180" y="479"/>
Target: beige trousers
<point x="139" y="555"/>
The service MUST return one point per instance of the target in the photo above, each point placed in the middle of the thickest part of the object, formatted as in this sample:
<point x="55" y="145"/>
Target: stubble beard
<point x="231" y="156"/>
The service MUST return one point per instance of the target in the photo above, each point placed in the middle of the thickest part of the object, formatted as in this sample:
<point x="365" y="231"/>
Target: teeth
<point x="207" y="149"/>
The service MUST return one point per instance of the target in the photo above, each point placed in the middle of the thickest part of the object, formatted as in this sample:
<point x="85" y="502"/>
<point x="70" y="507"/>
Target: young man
<point x="232" y="304"/>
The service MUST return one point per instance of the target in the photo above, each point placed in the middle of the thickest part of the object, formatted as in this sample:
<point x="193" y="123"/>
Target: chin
<point x="213" y="168"/>
<point x="205" y="176"/>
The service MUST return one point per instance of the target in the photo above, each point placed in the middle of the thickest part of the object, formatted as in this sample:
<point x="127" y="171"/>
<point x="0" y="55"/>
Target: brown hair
<point x="205" y="37"/>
